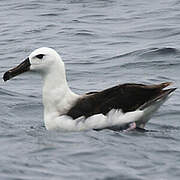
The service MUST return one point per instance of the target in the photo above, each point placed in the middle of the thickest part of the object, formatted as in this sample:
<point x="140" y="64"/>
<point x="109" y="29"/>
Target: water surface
<point x="103" y="43"/>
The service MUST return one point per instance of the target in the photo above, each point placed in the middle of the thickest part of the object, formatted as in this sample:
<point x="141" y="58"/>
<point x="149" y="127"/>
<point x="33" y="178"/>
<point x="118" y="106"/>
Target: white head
<point x="42" y="60"/>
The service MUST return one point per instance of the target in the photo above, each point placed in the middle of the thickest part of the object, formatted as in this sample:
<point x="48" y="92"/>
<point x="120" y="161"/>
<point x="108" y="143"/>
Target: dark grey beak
<point x="23" y="67"/>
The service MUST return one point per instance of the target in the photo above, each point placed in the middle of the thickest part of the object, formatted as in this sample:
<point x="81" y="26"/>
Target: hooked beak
<point x="21" y="68"/>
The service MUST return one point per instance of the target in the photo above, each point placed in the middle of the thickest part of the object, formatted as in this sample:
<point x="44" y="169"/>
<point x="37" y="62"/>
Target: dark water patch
<point x="77" y="21"/>
<point x="164" y="78"/>
<point x="119" y="43"/>
<point x="169" y="127"/>
<point x="163" y="135"/>
<point x="154" y="52"/>
<point x="119" y="56"/>
<point x="5" y="92"/>
<point x="142" y="64"/>
<point x="120" y="176"/>
<point x="49" y="14"/>
<point x="37" y="30"/>
<point x="151" y="33"/>
<point x="133" y="53"/>
<point x="145" y="54"/>
<point x="44" y="150"/>
<point x="81" y="64"/>
<point x="27" y="6"/>
<point x="85" y="34"/>
<point x="92" y="16"/>
<point x="25" y="106"/>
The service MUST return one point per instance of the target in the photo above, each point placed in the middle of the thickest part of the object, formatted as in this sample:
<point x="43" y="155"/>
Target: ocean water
<point x="103" y="43"/>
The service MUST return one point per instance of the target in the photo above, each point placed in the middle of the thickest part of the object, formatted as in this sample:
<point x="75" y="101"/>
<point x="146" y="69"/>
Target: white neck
<point x="57" y="96"/>
<point x="54" y="77"/>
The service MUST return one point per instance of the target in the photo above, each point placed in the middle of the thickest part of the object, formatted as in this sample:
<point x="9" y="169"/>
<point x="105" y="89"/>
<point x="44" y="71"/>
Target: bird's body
<point x="113" y="108"/>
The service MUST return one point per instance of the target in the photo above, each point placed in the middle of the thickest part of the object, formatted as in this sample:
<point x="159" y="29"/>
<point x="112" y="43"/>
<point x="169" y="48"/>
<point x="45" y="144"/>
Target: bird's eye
<point x="40" y="56"/>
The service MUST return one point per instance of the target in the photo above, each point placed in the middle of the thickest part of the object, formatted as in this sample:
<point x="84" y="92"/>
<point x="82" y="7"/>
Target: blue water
<point x="103" y="43"/>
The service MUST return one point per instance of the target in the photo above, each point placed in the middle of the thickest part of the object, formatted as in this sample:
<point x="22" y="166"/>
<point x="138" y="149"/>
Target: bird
<point x="125" y="106"/>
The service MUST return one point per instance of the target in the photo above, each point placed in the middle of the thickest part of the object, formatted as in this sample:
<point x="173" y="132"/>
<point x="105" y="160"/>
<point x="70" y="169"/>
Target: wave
<point x="165" y="51"/>
<point x="148" y="52"/>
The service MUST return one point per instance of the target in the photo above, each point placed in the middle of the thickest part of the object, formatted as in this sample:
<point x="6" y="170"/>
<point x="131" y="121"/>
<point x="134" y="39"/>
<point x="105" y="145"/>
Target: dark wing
<point x="127" y="97"/>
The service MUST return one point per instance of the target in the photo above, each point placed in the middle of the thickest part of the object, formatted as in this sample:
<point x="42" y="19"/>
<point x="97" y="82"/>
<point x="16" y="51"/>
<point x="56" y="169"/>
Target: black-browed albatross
<point x="123" y="106"/>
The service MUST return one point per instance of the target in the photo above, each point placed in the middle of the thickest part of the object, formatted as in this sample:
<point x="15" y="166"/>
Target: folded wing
<point x="124" y="97"/>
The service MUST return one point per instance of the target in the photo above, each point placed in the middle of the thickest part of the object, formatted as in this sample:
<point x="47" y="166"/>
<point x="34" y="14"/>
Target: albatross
<point x="125" y="106"/>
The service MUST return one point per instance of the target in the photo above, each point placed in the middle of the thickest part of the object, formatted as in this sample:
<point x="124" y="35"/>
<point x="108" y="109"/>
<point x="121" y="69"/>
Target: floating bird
<point x="125" y="106"/>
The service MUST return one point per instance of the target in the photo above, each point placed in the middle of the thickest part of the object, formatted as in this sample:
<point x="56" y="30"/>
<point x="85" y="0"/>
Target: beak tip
<point x="6" y="76"/>
<point x="23" y="67"/>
